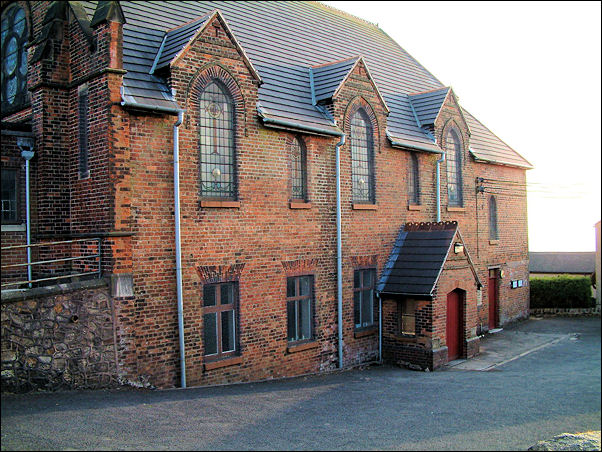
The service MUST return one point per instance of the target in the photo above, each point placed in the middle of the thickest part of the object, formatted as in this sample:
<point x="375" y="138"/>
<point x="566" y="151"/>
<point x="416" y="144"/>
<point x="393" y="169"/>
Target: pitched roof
<point x="427" y="105"/>
<point x="283" y="40"/>
<point x="328" y="78"/>
<point x="417" y="258"/>
<point x="570" y="262"/>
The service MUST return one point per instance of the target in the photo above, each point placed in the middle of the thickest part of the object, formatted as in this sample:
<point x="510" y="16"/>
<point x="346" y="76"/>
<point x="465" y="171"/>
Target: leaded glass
<point x="493" y="234"/>
<point x="414" y="181"/>
<point x="298" y="170"/>
<point x="13" y="86"/>
<point x="454" y="168"/>
<point x="218" y="163"/>
<point x="362" y="173"/>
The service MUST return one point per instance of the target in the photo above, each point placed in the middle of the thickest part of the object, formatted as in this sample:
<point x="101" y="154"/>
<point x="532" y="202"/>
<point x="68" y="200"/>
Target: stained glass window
<point x="218" y="159"/>
<point x="13" y="40"/>
<point x="362" y="158"/>
<point x="454" y="168"/>
<point x="298" y="170"/>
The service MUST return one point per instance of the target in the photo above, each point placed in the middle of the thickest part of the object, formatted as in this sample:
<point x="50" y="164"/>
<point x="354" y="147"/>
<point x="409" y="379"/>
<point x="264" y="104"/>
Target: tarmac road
<point x="550" y="388"/>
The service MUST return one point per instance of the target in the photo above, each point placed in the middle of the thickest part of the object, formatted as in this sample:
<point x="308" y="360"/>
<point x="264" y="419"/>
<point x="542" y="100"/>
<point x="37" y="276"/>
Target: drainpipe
<point x="339" y="250"/>
<point x="176" y="177"/>
<point x="26" y="146"/>
<point x="439" y="162"/>
<point x="380" y="328"/>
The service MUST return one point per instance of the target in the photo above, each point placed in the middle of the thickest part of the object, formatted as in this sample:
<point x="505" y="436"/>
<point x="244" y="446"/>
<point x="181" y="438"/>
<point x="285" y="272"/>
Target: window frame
<point x="296" y="299"/>
<point x="414" y="185"/>
<point x="298" y="166"/>
<point x="18" y="217"/>
<point x="22" y="98"/>
<point x="402" y="311"/>
<point x="232" y="164"/>
<point x="493" y="223"/>
<point x="458" y="166"/>
<point x="83" y="131"/>
<point x="218" y="309"/>
<point x="358" y="148"/>
<point x="361" y="289"/>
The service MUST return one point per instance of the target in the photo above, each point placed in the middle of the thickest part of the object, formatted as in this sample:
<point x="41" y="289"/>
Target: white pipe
<point x="439" y="162"/>
<point x="380" y="328"/>
<point x="28" y="155"/>
<point x="176" y="176"/>
<point x="339" y="251"/>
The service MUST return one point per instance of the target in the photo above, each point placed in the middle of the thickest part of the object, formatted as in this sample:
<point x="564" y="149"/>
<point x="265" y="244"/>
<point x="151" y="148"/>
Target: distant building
<point x="598" y="269"/>
<point x="553" y="264"/>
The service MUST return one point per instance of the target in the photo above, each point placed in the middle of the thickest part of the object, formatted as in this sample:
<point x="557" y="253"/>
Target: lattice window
<point x="299" y="301"/>
<point x="218" y="159"/>
<point x="220" y="306"/>
<point x="414" y="180"/>
<point x="454" y="168"/>
<point x="362" y="158"/>
<point x="13" y="40"/>
<point x="82" y="107"/>
<point x="298" y="170"/>
<point x="493" y="232"/>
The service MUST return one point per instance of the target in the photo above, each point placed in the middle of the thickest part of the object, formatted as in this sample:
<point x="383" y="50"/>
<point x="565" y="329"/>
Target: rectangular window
<point x="363" y="298"/>
<point x="82" y="108"/>
<point x="10" y="208"/>
<point x="414" y="181"/>
<point x="299" y="308"/>
<point x="407" y="317"/>
<point x="219" y="319"/>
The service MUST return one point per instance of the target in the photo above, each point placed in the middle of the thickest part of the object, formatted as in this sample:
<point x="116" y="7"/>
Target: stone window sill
<point x="14" y="227"/>
<point x="359" y="206"/>
<point x="221" y="204"/>
<point x="456" y="209"/>
<point x="294" y="348"/>
<point x="299" y="205"/>
<point x="223" y="363"/>
<point x="414" y="207"/>
<point x="494" y="242"/>
<point x="362" y="333"/>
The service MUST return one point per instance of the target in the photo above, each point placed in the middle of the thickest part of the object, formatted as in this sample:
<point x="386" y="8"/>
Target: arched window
<point x="218" y="158"/>
<point x="414" y="194"/>
<point x="298" y="170"/>
<point x="493" y="233"/>
<point x="362" y="158"/>
<point x="454" y="168"/>
<point x="14" y="58"/>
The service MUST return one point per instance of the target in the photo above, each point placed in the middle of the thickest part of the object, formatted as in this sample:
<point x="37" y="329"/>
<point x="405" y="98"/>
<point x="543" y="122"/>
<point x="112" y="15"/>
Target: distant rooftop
<point x="558" y="262"/>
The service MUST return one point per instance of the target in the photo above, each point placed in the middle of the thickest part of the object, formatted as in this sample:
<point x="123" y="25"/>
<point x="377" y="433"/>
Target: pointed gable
<point x="427" y="105"/>
<point x="418" y="257"/>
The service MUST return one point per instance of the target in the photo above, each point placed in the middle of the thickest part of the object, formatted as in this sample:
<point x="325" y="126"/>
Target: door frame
<point x="493" y="302"/>
<point x="460" y="330"/>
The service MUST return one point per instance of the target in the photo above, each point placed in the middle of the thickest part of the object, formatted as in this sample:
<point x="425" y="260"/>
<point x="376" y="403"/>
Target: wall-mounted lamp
<point x="458" y="248"/>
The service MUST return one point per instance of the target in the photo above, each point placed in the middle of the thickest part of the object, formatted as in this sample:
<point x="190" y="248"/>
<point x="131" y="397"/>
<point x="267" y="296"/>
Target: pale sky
<point x="530" y="71"/>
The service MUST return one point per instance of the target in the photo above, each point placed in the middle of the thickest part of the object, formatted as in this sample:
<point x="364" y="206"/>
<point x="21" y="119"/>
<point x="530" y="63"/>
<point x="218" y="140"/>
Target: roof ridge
<point x="345" y="13"/>
<point x="429" y="91"/>
<point x="330" y="63"/>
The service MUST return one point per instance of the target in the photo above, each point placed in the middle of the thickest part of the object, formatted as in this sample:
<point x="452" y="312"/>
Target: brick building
<point x="268" y="189"/>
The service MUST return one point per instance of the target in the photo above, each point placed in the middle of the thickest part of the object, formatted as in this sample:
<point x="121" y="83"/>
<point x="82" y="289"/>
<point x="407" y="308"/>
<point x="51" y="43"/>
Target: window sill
<point x="414" y="207"/>
<point x="494" y="242"/>
<point x="14" y="227"/>
<point x="221" y="204"/>
<point x="294" y="348"/>
<point x="367" y="332"/>
<point x="358" y="206"/>
<point x="299" y="205"/>
<point x="223" y="363"/>
<point x="456" y="209"/>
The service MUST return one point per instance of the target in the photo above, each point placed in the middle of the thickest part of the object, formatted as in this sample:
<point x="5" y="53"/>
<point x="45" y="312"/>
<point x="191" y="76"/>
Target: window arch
<point x="362" y="157"/>
<point x="13" y="41"/>
<point x="217" y="143"/>
<point x="298" y="170"/>
<point x="493" y="232"/>
<point x="454" y="168"/>
<point x="414" y="194"/>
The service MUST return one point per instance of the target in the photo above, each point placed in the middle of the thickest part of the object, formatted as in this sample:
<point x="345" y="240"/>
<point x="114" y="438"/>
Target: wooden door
<point x="492" y="295"/>
<point x="454" y="327"/>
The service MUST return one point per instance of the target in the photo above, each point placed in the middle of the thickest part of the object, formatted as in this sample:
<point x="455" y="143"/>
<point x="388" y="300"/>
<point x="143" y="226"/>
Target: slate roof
<point x="417" y="258"/>
<point x="570" y="262"/>
<point x="426" y="106"/>
<point x="328" y="77"/>
<point x="283" y="40"/>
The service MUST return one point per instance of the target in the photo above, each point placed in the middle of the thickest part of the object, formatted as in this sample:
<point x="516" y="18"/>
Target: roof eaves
<point x="398" y="142"/>
<point x="287" y="124"/>
<point x="499" y="162"/>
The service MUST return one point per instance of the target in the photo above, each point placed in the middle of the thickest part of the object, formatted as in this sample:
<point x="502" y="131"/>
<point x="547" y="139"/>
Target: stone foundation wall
<point x="60" y="337"/>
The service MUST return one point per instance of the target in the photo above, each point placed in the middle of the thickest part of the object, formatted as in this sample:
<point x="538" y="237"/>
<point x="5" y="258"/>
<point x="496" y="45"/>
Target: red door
<point x="492" y="292"/>
<point x="454" y="325"/>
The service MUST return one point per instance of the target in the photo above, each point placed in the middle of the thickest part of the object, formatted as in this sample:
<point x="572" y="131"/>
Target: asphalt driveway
<point x="546" y="389"/>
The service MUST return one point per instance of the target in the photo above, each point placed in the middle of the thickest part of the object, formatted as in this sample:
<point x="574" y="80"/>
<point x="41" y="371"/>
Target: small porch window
<point x="406" y="320"/>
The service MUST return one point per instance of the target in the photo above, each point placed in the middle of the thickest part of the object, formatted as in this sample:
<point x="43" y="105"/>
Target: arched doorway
<point x="455" y="324"/>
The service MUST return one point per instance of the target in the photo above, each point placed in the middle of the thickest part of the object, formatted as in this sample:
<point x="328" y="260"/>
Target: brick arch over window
<point x="356" y="104"/>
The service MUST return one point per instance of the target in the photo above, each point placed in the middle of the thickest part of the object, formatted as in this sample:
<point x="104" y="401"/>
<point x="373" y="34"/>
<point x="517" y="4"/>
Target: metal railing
<point x="80" y="258"/>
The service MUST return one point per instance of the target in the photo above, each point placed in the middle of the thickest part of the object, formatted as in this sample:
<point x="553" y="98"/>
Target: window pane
<point x="367" y="308"/>
<point x="356" y="279"/>
<point x="368" y="278"/>
<point x="9" y="195"/>
<point x="290" y="287"/>
<point x="408" y="324"/>
<point x="227" y="293"/>
<point x="210" y="333"/>
<point x="291" y="320"/>
<point x="209" y="295"/>
<point x="298" y="170"/>
<point x="304" y="285"/>
<point x="228" y="331"/>
<point x="305" y="319"/>
<point x="361" y="158"/>
<point x="356" y="309"/>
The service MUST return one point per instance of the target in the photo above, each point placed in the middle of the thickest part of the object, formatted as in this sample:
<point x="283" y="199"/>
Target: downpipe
<point x="339" y="250"/>
<point x="439" y="162"/>
<point x="26" y="146"/>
